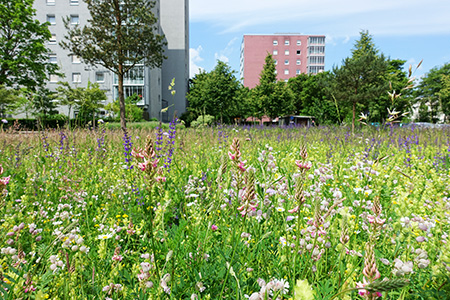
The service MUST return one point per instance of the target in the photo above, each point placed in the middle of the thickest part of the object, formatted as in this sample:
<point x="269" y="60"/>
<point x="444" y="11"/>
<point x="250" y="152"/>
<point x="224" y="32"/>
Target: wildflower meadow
<point x="225" y="213"/>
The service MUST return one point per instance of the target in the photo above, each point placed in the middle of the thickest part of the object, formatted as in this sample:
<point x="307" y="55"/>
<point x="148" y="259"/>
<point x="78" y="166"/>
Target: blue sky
<point x="410" y="30"/>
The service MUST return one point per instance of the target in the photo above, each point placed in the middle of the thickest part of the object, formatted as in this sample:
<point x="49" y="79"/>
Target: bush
<point x="202" y="121"/>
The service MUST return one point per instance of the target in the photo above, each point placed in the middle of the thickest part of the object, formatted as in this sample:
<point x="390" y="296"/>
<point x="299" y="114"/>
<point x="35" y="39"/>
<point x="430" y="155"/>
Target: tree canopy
<point x="215" y="93"/>
<point x="360" y="79"/>
<point x="120" y="34"/>
<point x="24" y="60"/>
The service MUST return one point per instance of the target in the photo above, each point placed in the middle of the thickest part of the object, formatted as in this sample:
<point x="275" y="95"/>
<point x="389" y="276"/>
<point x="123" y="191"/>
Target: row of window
<point x="286" y="62"/>
<point x="286" y="52"/>
<point x="54" y="59"/>
<point x="316" y="40"/>
<point x="286" y="72"/>
<point x="286" y="42"/>
<point x="74" y="19"/>
<point x="316" y="60"/>
<point x="72" y="2"/>
<point x="76" y="77"/>
<point x="316" y="50"/>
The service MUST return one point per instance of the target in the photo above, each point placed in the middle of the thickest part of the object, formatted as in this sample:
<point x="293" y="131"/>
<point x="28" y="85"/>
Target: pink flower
<point x="242" y="167"/>
<point x="214" y="227"/>
<point x="294" y="210"/>
<point x="4" y="180"/>
<point x="160" y="178"/>
<point x="303" y="165"/>
<point x="232" y="156"/>
<point x="143" y="166"/>
<point x="137" y="153"/>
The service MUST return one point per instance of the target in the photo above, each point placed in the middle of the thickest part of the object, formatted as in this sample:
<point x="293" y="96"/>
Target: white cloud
<point x="194" y="60"/>
<point x="224" y="54"/>
<point x="339" y="18"/>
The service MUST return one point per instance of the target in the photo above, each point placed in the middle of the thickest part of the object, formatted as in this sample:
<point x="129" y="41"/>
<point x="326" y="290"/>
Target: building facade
<point x="150" y="83"/>
<point x="293" y="54"/>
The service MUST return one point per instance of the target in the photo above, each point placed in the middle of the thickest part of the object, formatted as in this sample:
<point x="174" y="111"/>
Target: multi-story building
<point x="293" y="54"/>
<point x="150" y="83"/>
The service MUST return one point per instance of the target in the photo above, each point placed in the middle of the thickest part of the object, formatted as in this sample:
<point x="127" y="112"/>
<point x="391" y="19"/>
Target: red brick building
<point x="293" y="54"/>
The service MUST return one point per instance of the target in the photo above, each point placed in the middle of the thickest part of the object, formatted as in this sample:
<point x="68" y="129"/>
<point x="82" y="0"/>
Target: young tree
<point x="428" y="92"/>
<point x="360" y="79"/>
<point x="7" y="99"/>
<point x="215" y="93"/>
<point x="120" y="34"/>
<point x="398" y="81"/>
<point x="272" y="98"/>
<point x="23" y="56"/>
<point x="311" y="97"/>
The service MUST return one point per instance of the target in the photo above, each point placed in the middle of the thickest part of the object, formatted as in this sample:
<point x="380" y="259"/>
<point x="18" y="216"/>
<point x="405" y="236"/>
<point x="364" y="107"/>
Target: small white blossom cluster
<point x="275" y="286"/>
<point x="56" y="263"/>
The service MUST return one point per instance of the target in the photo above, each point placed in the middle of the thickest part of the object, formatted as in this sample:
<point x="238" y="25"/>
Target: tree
<point x="311" y="97"/>
<point x="23" y="56"/>
<point x="134" y="113"/>
<point x="360" y="79"/>
<point x="215" y="93"/>
<point x="272" y="98"/>
<point x="120" y="34"/>
<point x="444" y="96"/>
<point x="428" y="93"/>
<point x="8" y="97"/>
<point x="44" y="103"/>
<point x="399" y="82"/>
<point x="68" y="96"/>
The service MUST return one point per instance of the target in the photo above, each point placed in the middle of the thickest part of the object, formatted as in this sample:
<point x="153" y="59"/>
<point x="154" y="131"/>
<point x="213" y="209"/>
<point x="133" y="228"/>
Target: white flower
<point x="105" y="236"/>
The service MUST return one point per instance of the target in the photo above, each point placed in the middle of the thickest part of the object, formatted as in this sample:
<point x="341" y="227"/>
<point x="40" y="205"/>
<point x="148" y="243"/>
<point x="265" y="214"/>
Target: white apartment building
<point x="151" y="83"/>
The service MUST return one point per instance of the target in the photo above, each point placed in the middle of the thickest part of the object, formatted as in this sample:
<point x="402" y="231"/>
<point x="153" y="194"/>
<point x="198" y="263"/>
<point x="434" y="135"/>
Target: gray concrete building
<point x="151" y="83"/>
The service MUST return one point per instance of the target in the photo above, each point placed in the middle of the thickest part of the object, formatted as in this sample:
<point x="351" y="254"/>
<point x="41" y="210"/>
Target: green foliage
<point x="8" y="98"/>
<point x="272" y="98"/>
<point x="23" y="55"/>
<point x="44" y="103"/>
<point x="87" y="101"/>
<point x="311" y="97"/>
<point x="398" y="81"/>
<point x="134" y="113"/>
<point x="360" y="79"/>
<point x="215" y="93"/>
<point x="202" y="121"/>
<point x="118" y="39"/>
<point x="428" y="92"/>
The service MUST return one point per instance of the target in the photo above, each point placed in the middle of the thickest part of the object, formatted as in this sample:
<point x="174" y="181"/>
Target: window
<point x="286" y="72"/>
<point x="276" y="62"/>
<point x="51" y="19"/>
<point x="286" y="52"/>
<point x="74" y="20"/>
<point x="275" y="42"/>
<point x="299" y="52"/>
<point x="53" y="78"/>
<point x="275" y="52"/>
<point x="52" y="58"/>
<point x="276" y="71"/>
<point x="100" y="77"/>
<point x="286" y="61"/>
<point x="286" y="42"/>
<point x="74" y="2"/>
<point x="297" y="72"/>
<point x="51" y="2"/>
<point x="299" y="62"/>
<point x="76" y="59"/>
<point x="76" y="77"/>
<point x="52" y="39"/>
<point x="299" y="43"/>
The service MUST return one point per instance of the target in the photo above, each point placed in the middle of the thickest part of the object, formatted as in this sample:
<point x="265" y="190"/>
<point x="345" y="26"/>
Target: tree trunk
<point x="123" y="122"/>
